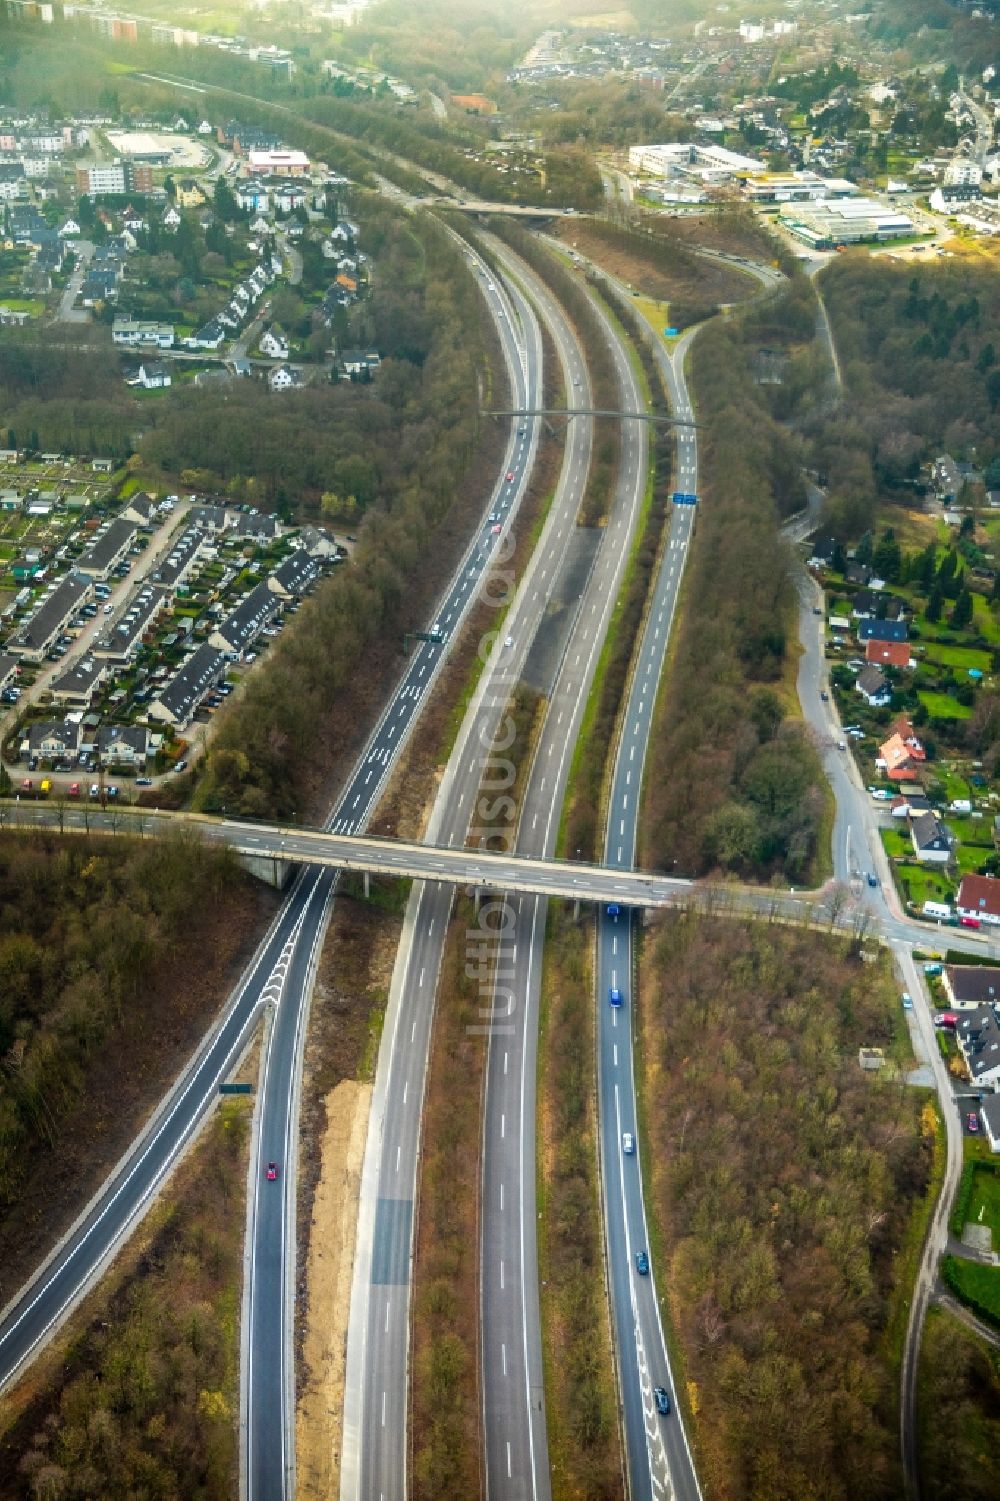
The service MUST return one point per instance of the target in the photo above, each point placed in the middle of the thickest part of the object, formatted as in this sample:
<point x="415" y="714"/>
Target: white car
<point x="628" y="1144"/>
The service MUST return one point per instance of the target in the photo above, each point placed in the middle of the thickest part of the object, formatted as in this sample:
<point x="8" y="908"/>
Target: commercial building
<point x="797" y="187"/>
<point x="278" y="163"/>
<point x="830" y="222"/>
<point x="707" y="164"/>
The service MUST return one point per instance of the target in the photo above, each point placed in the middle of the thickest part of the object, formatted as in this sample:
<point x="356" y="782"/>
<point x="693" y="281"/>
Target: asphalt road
<point x="512" y="1381"/>
<point x="274" y="977"/>
<point x="657" y="1457"/>
<point x="268" y="1398"/>
<point x="374" y="1450"/>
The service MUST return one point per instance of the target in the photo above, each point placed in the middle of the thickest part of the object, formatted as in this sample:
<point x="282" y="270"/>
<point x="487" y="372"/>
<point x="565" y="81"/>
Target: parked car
<point x="181" y="766"/>
<point x="144" y="781"/>
<point x="74" y="789"/>
<point x="907" y="1001"/>
<point x="27" y="785"/>
<point x="95" y="790"/>
<point x="972" y="1121"/>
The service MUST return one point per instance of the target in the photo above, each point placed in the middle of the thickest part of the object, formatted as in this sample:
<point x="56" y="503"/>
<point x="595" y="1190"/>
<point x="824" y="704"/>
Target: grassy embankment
<point x="958" y="1413"/>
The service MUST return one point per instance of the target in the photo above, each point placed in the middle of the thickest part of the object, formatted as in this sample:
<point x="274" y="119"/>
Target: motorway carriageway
<point x="275" y="977"/>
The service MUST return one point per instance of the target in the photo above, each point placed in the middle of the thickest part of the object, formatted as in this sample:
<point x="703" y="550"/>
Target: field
<point x="976" y="1285"/>
<point x="943" y="706"/>
<point x="984" y="1201"/>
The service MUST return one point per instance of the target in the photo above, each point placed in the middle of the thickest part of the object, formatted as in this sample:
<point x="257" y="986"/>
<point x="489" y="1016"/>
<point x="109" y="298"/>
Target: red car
<point x="972" y="1121"/>
<point x="494" y="530"/>
<point x="510" y="476"/>
<point x="272" y="1171"/>
<point x="969" y="922"/>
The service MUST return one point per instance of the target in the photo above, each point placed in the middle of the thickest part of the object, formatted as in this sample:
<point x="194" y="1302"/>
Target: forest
<point x="783" y="1181"/>
<point x="919" y="348"/>
<point x="94" y="1001"/>
<point x="732" y="781"/>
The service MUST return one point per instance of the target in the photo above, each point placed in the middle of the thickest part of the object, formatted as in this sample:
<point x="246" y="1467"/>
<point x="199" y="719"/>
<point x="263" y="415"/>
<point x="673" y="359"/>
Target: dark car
<point x="872" y="879"/>
<point x="642" y="1263"/>
<point x="662" y="1398"/>
<point x="144" y="781"/>
<point x="824" y="696"/>
<point x="272" y="1171"/>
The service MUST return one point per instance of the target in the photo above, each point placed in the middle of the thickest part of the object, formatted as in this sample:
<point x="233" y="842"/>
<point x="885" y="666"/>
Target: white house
<point x="69" y="230"/>
<point x="284" y="378"/>
<point x="274" y="344"/>
<point x="154" y="375"/>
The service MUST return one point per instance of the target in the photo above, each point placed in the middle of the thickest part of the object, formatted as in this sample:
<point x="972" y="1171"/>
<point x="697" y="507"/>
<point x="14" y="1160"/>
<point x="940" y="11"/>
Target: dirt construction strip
<point x="319" y="1419"/>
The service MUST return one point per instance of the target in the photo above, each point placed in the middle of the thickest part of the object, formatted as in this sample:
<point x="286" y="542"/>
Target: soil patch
<point x="319" y="1420"/>
<point x="681" y="278"/>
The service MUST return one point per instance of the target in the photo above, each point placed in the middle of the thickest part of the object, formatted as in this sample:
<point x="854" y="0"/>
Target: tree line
<point x="733" y="782"/>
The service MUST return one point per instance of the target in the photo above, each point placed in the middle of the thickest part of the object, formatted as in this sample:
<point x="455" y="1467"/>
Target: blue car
<point x="613" y="909"/>
<point x="615" y="996"/>
<point x="662" y="1398"/>
<point x="642" y="1263"/>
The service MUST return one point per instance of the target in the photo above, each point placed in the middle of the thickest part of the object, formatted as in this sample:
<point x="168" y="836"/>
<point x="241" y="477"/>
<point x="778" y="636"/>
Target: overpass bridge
<point x="271" y="849"/>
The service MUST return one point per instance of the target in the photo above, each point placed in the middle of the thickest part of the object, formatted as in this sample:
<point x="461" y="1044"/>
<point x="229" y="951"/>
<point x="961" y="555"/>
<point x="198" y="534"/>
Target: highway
<point x="274" y="978"/>
<point x="374" y="1457"/>
<point x="657" y="1457"/>
<point x="512" y="1377"/>
<point x="267" y="1397"/>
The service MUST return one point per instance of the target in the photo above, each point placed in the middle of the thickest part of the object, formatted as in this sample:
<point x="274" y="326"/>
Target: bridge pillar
<point x="368" y="885"/>
<point x="267" y="868"/>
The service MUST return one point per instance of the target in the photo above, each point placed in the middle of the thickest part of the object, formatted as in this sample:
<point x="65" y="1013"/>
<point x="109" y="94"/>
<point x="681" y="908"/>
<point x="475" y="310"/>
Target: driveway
<point x="67" y="313"/>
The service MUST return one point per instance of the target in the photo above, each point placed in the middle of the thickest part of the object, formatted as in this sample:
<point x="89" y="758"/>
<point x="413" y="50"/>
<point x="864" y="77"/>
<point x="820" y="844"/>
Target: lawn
<point x="896" y="844"/>
<point x="963" y="657"/>
<point x="943" y="706"/>
<point x="984" y="622"/>
<point x="923" y="883"/>
<point x="976" y="1285"/>
<point x="984" y="1201"/>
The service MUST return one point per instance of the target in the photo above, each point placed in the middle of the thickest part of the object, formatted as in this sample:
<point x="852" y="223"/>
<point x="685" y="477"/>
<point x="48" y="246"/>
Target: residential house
<point x="10" y="667"/>
<point x="77" y="685"/>
<point x="176" y="703"/>
<point x="293" y="575"/>
<point x="274" y="344"/>
<point x="154" y="375"/>
<point x="208" y="337"/>
<point x="244" y="624"/>
<point x="254" y="526"/>
<point x="358" y="364"/>
<point x="171" y="219"/>
<point x="902" y="754"/>
<point x="132" y="331"/>
<point x="51" y="739"/>
<point x="188" y="194"/>
<point x="50" y="619"/>
<point x="882" y="630"/>
<point x="210" y="518"/>
<point x="989" y="1114"/>
<point x="873" y="686"/>
<point x="823" y="553"/>
<point x="180" y="561"/>
<point x="888" y="653"/>
<point x="857" y="573"/>
<point x="119" y="642"/>
<point x="970" y="985"/>
<point x="284" y="378"/>
<point x="909" y="804"/>
<point x="978" y="1037"/>
<point x="317" y="543"/>
<point x="930" y="839"/>
<point x="140" y="508"/>
<point x="979" y="896"/>
<point x="123" y="745"/>
<point x="109" y="549"/>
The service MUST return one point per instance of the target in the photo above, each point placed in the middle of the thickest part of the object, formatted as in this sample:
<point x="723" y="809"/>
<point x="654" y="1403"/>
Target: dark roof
<point x="191" y="682"/>
<point x="979" y="1033"/>
<point x="872" y="680"/>
<point x="929" y="833"/>
<point x="973" y="984"/>
<point x="882" y="630"/>
<point x="252" y="613"/>
<point x="296" y="572"/>
<point x="49" y="617"/>
<point x="102" y="553"/>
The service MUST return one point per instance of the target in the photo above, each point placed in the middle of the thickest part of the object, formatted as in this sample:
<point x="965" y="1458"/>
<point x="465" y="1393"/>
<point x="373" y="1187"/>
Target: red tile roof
<point x="888" y="653"/>
<point x="979" y="894"/>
